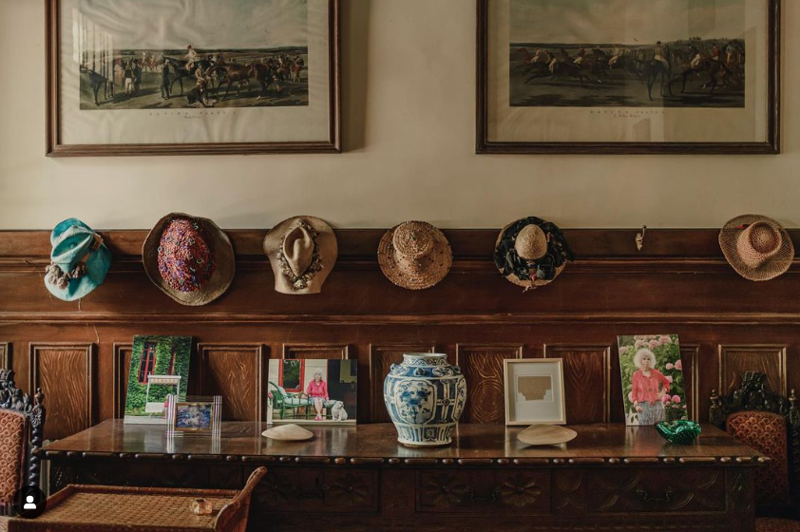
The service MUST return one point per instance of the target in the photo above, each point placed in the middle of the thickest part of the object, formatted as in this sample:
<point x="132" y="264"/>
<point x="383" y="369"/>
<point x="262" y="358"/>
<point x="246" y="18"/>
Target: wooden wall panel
<point x="483" y="368"/>
<point x="65" y="372"/>
<point x="587" y="381"/>
<point x="122" y="370"/>
<point x="381" y="358"/>
<point x="737" y="359"/>
<point x="5" y="355"/>
<point x="236" y="372"/>
<point x="316" y="351"/>
<point x="361" y="315"/>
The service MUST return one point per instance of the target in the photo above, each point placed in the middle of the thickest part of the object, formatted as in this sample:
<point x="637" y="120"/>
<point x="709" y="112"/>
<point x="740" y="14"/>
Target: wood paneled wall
<point x="79" y="353"/>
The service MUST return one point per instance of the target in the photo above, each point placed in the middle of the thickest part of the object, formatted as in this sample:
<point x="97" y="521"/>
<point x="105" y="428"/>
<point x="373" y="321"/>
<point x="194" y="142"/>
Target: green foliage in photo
<point x="165" y="346"/>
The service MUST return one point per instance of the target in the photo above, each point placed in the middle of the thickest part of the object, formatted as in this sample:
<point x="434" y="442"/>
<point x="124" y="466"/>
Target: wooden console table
<point x="611" y="478"/>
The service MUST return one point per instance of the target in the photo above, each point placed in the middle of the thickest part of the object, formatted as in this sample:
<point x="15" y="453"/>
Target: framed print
<point x="652" y="379"/>
<point x="171" y="77"/>
<point x="198" y="415"/>
<point x="628" y="76"/>
<point x="534" y="391"/>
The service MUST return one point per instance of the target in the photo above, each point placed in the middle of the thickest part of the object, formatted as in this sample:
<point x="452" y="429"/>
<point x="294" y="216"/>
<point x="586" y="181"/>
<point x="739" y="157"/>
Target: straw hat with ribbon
<point x="302" y="251"/>
<point x="757" y="247"/>
<point x="190" y="259"/>
<point x="415" y="255"/>
<point x="531" y="252"/>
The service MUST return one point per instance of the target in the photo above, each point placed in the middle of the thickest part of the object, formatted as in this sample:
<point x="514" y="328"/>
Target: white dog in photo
<point x="338" y="413"/>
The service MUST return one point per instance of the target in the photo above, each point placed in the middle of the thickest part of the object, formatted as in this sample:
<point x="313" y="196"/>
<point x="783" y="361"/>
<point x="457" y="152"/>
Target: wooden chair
<point x="128" y="509"/>
<point x="21" y="426"/>
<point x="770" y="424"/>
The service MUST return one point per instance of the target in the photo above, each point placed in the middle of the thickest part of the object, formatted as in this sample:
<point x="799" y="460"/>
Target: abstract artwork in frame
<point x="178" y="77"/>
<point x="628" y="76"/>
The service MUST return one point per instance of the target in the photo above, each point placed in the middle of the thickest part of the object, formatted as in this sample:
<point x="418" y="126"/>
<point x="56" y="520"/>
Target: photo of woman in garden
<point x="652" y="379"/>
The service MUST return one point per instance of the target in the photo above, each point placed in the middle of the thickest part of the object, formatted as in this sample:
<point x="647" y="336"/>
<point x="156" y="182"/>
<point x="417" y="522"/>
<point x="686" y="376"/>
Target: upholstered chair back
<point x="766" y="433"/>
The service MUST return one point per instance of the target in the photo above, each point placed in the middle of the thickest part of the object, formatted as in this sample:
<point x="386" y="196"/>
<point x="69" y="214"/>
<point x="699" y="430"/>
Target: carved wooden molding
<point x="318" y="351"/>
<point x="575" y="376"/>
<point x="482" y="365"/>
<point x="692" y="354"/>
<point x="122" y="353"/>
<point x="61" y="405"/>
<point x="5" y="355"/>
<point x="381" y="357"/>
<point x="232" y="409"/>
<point x="737" y="359"/>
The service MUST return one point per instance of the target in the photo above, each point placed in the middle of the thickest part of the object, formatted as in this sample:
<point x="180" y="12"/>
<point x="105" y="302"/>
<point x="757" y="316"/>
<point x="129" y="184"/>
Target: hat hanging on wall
<point x="189" y="258"/>
<point x="302" y="251"/>
<point x="415" y="255"/>
<point x="757" y="247"/>
<point x="79" y="260"/>
<point x="531" y="252"/>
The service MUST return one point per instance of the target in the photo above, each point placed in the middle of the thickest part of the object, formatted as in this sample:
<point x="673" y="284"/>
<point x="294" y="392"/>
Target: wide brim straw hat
<point x="225" y="259"/>
<point x="433" y="263"/>
<point x="757" y="247"/>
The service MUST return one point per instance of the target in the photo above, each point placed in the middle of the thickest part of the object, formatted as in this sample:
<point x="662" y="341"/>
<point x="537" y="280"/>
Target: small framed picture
<point x="534" y="391"/>
<point x="195" y="414"/>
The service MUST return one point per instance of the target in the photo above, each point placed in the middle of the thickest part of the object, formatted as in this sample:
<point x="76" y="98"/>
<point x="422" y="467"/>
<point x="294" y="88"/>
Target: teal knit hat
<point x="79" y="260"/>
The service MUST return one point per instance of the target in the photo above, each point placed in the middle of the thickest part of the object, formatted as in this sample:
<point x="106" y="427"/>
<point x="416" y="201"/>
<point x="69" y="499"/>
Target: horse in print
<point x="234" y="73"/>
<point x="178" y="66"/>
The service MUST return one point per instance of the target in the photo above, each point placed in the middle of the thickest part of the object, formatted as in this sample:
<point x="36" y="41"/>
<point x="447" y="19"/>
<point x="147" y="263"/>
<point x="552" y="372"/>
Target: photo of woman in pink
<point x="317" y="390"/>
<point x="650" y="387"/>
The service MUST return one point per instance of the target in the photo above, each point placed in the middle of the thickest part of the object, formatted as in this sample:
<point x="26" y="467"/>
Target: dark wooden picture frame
<point x="56" y="148"/>
<point x="771" y="146"/>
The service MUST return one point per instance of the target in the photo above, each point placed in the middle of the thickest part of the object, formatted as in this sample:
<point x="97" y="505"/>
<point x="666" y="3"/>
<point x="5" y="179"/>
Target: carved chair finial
<point x="12" y="398"/>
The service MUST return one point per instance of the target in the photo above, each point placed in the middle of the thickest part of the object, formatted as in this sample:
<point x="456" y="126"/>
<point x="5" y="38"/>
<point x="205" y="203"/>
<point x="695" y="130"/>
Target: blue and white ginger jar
<point x="425" y="397"/>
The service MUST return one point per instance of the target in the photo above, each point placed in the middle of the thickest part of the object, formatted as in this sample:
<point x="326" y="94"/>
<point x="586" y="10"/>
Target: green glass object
<point x="680" y="432"/>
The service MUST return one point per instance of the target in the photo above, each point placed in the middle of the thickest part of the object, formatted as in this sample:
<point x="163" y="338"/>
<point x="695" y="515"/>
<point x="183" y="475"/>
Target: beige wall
<point x="409" y="133"/>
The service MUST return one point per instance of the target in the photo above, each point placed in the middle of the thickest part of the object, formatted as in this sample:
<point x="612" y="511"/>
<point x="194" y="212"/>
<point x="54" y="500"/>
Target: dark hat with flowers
<point x="189" y="258"/>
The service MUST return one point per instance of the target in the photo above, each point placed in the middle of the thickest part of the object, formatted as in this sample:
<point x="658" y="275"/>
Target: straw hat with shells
<point x="531" y="252"/>
<point x="302" y="251"/>
<point x="757" y="247"/>
<point x="415" y="255"/>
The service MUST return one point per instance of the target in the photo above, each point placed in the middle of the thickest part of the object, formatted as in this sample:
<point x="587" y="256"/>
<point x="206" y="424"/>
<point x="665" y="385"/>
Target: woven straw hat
<point x="415" y="255"/>
<point x="531" y="252"/>
<point x="302" y="251"/>
<point x="189" y="258"/>
<point x="757" y="247"/>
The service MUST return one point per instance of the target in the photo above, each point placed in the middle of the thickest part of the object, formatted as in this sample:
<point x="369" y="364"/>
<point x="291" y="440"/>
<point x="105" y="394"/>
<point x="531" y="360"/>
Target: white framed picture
<point x="534" y="391"/>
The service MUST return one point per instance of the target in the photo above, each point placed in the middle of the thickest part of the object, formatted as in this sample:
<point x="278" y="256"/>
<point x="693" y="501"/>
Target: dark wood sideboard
<point x="610" y="478"/>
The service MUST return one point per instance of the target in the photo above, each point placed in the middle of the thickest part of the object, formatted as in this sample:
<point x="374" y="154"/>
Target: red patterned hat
<point x="188" y="258"/>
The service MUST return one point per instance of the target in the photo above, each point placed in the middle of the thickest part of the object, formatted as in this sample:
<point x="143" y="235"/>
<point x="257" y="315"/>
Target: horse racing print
<point x="131" y="77"/>
<point x="628" y="76"/>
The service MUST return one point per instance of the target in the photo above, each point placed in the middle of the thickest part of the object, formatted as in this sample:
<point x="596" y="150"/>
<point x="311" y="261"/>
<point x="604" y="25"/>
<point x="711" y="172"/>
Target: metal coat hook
<point x="640" y="238"/>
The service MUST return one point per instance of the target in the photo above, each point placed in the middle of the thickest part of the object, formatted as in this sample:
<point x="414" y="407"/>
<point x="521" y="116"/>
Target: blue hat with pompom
<point x="79" y="260"/>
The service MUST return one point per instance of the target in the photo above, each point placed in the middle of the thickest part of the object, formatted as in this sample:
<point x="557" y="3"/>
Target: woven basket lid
<point x="757" y="247"/>
<point x="415" y="255"/>
<point x="223" y="256"/>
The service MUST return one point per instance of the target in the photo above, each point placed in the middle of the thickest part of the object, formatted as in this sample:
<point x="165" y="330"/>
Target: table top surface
<point x="113" y="438"/>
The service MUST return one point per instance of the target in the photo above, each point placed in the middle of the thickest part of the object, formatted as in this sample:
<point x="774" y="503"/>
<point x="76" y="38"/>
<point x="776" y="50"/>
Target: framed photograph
<point x="159" y="368"/>
<point x="534" y="391"/>
<point x="194" y="414"/>
<point x="170" y="77"/>
<point x="628" y="76"/>
<point x="652" y="379"/>
<point x="312" y="392"/>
